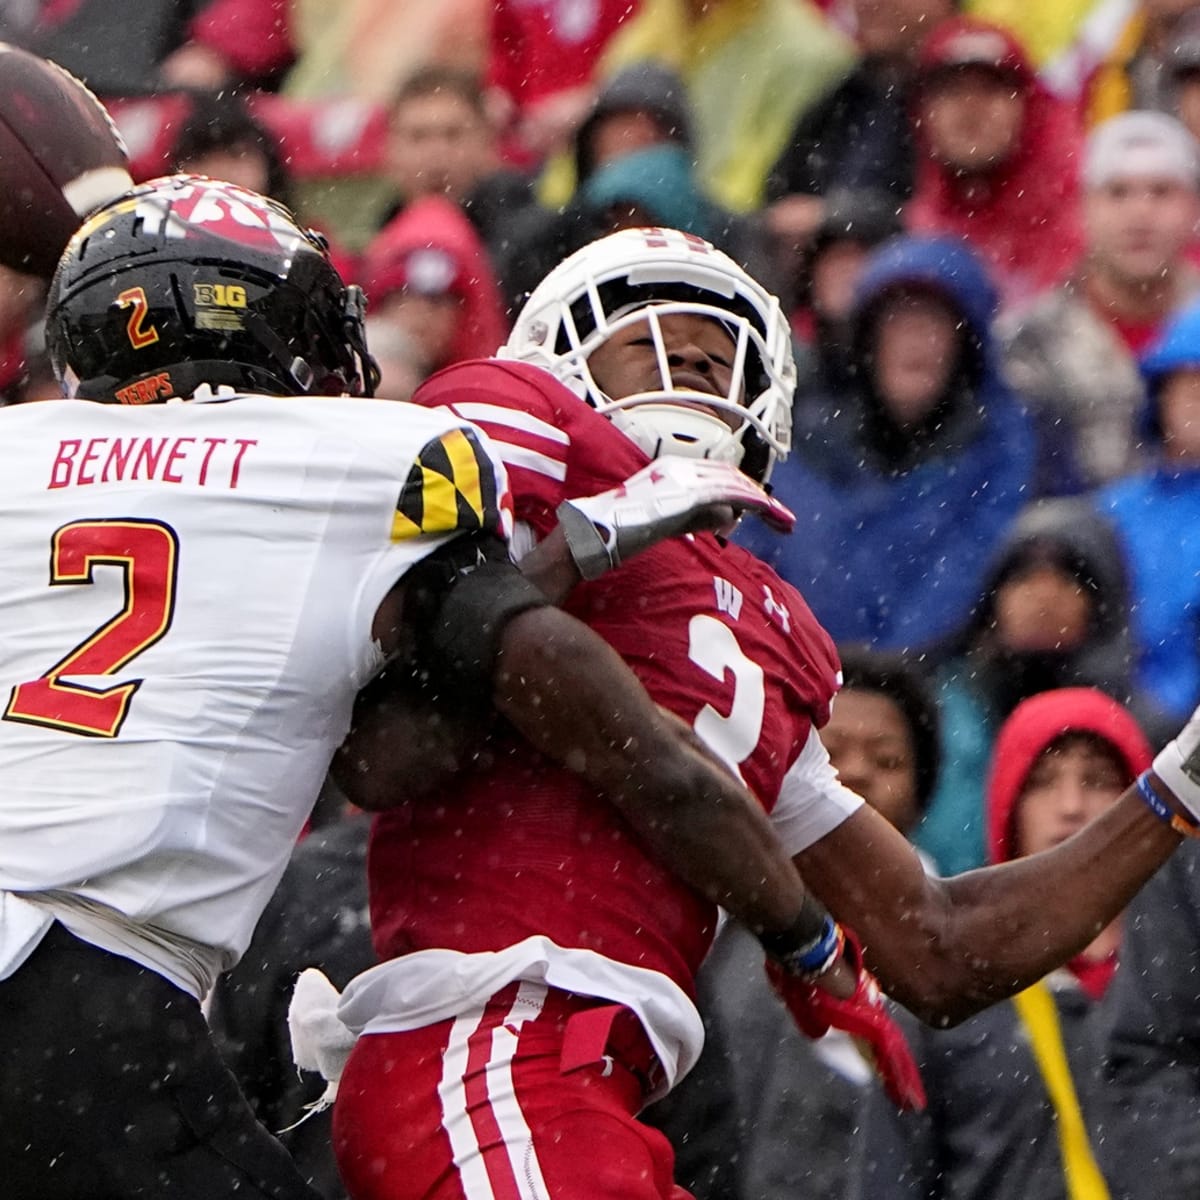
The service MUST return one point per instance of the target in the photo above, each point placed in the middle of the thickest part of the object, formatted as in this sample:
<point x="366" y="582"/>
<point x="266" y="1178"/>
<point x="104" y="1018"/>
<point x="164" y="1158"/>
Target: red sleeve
<point x="817" y="672"/>
<point x="518" y="407"/>
<point x="253" y="36"/>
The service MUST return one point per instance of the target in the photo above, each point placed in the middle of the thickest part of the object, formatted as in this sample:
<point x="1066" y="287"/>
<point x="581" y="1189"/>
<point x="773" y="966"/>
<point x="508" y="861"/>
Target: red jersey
<point x="522" y="847"/>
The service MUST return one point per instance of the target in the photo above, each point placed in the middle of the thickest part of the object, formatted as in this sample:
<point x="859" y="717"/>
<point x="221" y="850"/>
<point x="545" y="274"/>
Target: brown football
<point x="60" y="157"/>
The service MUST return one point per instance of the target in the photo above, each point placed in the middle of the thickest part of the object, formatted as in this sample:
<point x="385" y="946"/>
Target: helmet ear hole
<point x="190" y="280"/>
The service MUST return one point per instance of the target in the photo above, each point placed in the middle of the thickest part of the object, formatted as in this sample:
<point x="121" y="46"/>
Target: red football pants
<point x="531" y="1097"/>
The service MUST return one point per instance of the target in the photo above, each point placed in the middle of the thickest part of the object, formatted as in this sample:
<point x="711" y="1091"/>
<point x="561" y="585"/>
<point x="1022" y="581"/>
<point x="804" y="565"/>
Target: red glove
<point x="864" y="1016"/>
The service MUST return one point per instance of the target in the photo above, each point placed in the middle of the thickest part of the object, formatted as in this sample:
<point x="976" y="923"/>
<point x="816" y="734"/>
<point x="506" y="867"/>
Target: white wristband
<point x="1177" y="764"/>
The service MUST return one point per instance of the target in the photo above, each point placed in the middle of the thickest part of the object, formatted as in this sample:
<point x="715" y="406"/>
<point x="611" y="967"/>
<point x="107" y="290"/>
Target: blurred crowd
<point x="983" y="220"/>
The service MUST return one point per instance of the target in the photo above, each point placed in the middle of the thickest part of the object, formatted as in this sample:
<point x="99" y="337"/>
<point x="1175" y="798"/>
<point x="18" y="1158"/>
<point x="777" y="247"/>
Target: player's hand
<point x="864" y="1016"/>
<point x="669" y="497"/>
<point x="1177" y="765"/>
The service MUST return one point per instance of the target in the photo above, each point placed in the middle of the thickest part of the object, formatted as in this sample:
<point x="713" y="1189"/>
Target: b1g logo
<point x="220" y="295"/>
<point x="219" y="306"/>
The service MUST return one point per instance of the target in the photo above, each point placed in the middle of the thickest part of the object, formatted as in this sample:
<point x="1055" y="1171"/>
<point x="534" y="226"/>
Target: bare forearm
<point x="1025" y="918"/>
<point x="947" y="948"/>
<point x="574" y="699"/>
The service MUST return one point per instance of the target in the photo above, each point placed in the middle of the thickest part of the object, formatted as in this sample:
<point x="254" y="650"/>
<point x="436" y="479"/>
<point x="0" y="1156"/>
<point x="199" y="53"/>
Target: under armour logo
<point x="775" y="610"/>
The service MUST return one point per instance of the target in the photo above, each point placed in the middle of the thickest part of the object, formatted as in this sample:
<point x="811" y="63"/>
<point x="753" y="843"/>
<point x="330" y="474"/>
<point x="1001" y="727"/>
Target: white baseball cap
<point x="1139" y="144"/>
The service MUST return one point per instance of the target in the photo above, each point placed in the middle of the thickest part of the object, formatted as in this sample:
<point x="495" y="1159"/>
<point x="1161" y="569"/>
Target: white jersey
<point x="187" y="593"/>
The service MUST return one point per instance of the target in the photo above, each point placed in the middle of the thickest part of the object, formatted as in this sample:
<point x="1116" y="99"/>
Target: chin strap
<point x="354" y="317"/>
<point x="673" y="428"/>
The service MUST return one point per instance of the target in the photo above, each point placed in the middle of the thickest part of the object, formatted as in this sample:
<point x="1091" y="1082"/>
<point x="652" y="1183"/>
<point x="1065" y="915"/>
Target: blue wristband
<point x="1153" y="801"/>
<point x="821" y="955"/>
<point x="1162" y="810"/>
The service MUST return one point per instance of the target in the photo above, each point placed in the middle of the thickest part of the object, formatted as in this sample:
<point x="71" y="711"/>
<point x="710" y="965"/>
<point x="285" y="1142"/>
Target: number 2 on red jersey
<point x="148" y="554"/>
<point x="714" y="648"/>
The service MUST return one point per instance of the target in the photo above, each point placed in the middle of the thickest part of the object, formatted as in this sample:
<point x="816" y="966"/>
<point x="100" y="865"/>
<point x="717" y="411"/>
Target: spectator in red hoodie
<point x="1014" y="1092"/>
<point x="998" y="157"/>
<point x="427" y="273"/>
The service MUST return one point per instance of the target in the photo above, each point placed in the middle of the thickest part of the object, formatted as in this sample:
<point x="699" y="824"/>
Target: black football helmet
<point x="186" y="281"/>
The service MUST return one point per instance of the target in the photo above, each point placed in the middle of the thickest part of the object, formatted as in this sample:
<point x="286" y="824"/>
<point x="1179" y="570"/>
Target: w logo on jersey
<point x="729" y="599"/>
<point x="451" y="487"/>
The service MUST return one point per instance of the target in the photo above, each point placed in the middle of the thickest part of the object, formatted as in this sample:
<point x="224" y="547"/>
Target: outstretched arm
<point x="947" y="948"/>
<point x="572" y="697"/>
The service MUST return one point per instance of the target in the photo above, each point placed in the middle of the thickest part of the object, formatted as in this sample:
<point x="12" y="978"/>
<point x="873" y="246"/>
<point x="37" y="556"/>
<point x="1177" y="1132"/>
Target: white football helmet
<point x="643" y="275"/>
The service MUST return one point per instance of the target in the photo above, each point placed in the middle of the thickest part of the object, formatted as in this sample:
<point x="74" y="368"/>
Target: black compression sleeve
<point x="457" y="602"/>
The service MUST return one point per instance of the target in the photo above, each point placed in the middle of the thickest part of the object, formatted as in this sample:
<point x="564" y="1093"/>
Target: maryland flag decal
<point x="451" y="487"/>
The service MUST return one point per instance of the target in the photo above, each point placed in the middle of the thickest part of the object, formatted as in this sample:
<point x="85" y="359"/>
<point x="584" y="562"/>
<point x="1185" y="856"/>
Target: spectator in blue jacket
<point x="908" y="477"/>
<point x="1156" y="514"/>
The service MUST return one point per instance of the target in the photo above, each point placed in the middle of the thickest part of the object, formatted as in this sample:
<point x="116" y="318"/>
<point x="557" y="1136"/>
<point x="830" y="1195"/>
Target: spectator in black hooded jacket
<point x="860" y="135"/>
<point x="641" y="107"/>
<point x="1150" y="1028"/>
<point x="1054" y="614"/>
<point x="822" y="281"/>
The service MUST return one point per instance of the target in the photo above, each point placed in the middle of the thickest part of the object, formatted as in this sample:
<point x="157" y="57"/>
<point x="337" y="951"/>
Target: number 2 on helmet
<point x="140" y="334"/>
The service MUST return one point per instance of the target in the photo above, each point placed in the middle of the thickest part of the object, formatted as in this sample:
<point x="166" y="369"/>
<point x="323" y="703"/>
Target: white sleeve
<point x="812" y="800"/>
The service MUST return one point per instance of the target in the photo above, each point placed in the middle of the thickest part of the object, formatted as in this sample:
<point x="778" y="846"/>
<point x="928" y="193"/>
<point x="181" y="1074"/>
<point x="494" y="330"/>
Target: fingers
<point x="778" y="516"/>
<point x="727" y="483"/>
<point x="721" y="516"/>
<point x="705" y="489"/>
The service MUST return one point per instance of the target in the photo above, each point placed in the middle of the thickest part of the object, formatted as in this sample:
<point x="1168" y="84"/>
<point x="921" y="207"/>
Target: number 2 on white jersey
<point x="148" y="553"/>
<point x="714" y="648"/>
